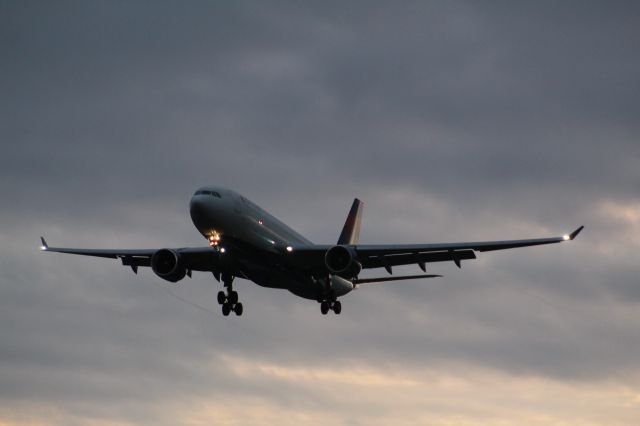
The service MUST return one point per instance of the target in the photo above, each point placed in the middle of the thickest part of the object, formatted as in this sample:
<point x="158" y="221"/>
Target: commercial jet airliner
<point x="247" y="242"/>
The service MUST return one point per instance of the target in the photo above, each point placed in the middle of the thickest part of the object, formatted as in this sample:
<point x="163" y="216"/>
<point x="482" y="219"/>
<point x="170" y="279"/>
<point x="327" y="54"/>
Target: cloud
<point x="452" y="122"/>
<point x="365" y="394"/>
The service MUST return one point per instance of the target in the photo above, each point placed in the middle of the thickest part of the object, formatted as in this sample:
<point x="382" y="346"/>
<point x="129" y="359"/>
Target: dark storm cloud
<point x="453" y="121"/>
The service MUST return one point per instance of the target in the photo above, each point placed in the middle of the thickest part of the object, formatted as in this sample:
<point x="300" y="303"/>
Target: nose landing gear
<point x="229" y="300"/>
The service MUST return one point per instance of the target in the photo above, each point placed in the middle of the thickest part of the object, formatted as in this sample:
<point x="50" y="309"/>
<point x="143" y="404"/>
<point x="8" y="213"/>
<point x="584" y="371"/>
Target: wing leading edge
<point x="108" y="253"/>
<point x="195" y="258"/>
<point x="388" y="255"/>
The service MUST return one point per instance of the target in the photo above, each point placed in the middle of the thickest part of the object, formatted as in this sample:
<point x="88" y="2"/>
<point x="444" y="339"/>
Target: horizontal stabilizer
<point x="385" y="279"/>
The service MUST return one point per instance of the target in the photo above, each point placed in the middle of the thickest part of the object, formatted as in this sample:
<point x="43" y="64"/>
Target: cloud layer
<point x="452" y="121"/>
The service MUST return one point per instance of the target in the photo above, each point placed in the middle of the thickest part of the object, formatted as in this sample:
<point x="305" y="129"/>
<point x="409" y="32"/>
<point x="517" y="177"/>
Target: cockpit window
<point x="205" y="192"/>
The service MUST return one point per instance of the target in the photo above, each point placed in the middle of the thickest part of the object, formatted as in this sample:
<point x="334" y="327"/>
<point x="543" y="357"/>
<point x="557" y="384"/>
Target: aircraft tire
<point x="238" y="309"/>
<point x="221" y="298"/>
<point x="233" y="297"/>
<point x="226" y="309"/>
<point x="337" y="307"/>
<point x="324" y="307"/>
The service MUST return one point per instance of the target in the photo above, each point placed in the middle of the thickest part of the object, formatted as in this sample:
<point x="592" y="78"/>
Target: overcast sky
<point x="452" y="121"/>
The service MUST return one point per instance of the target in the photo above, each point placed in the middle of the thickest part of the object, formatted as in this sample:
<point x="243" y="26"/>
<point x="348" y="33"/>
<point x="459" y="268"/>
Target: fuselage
<point x="233" y="222"/>
<point x="223" y="212"/>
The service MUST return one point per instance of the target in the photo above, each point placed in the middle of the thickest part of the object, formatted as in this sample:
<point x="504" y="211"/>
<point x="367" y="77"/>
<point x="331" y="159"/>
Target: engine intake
<point x="168" y="265"/>
<point x="341" y="260"/>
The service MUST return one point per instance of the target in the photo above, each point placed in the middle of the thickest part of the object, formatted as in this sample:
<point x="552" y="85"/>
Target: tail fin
<point x="351" y="230"/>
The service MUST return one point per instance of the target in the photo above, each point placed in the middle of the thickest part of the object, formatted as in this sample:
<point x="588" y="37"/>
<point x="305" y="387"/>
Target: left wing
<point x="373" y="256"/>
<point x="386" y="256"/>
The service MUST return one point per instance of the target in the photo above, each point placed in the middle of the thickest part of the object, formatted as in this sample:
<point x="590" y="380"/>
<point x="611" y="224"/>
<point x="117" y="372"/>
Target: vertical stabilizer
<point x="351" y="230"/>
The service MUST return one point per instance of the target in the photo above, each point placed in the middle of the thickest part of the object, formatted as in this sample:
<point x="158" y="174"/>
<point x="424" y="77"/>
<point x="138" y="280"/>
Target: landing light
<point x="43" y="248"/>
<point x="289" y="249"/>
<point x="214" y="239"/>
<point x="222" y="250"/>
<point x="566" y="237"/>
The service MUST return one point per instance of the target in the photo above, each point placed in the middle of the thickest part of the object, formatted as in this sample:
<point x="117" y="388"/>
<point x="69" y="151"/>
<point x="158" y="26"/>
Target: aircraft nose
<point x="198" y="210"/>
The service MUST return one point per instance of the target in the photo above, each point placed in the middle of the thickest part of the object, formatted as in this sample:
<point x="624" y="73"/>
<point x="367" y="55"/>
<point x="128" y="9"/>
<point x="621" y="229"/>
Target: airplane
<point x="244" y="241"/>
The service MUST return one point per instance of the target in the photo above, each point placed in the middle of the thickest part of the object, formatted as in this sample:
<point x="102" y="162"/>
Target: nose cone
<point x="198" y="211"/>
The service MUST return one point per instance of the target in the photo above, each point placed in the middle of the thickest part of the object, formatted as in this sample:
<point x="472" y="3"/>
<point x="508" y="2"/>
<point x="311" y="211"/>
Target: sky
<point x="451" y="120"/>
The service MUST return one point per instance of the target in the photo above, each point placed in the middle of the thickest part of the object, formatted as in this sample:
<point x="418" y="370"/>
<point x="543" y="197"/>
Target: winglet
<point x="575" y="233"/>
<point x="44" y="245"/>
<point x="351" y="230"/>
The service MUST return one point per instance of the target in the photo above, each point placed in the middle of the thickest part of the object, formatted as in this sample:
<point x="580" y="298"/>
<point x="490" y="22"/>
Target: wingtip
<point x="44" y="245"/>
<point x="575" y="233"/>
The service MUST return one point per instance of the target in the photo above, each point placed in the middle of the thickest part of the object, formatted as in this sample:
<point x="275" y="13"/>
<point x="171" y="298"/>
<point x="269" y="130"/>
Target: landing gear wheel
<point x="337" y="307"/>
<point x="222" y="298"/>
<point x="324" y="307"/>
<point x="238" y="309"/>
<point x="233" y="297"/>
<point x="226" y="309"/>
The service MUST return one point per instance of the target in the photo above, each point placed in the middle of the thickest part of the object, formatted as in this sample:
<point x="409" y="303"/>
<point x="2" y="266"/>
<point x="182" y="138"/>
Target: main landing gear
<point x="333" y="305"/>
<point x="229" y="301"/>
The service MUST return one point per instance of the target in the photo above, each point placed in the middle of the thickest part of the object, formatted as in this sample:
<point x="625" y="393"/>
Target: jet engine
<point x="166" y="263"/>
<point x="341" y="260"/>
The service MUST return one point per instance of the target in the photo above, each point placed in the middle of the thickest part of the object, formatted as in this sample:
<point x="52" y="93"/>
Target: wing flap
<point x="381" y="261"/>
<point x="386" y="279"/>
<point x="135" y="261"/>
<point x="372" y="250"/>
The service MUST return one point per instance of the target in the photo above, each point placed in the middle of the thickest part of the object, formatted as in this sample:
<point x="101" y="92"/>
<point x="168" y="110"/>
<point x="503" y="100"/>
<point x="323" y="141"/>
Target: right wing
<point x="194" y="258"/>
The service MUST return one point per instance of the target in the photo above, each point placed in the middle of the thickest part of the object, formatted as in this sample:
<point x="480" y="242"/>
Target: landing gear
<point x="229" y="301"/>
<point x="327" y="305"/>
<point x="222" y="298"/>
<point x="226" y="309"/>
<point x="328" y="299"/>
<point x="238" y="309"/>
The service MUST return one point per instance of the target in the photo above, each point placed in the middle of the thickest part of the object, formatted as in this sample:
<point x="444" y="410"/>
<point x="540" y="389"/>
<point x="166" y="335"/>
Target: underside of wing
<point x="387" y="255"/>
<point x="192" y="258"/>
<point x="387" y="279"/>
<point x="374" y="256"/>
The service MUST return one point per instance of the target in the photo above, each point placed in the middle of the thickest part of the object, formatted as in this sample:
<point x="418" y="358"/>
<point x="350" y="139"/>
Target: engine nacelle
<point x="166" y="263"/>
<point x="340" y="286"/>
<point x="341" y="260"/>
